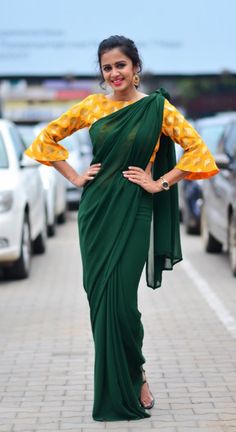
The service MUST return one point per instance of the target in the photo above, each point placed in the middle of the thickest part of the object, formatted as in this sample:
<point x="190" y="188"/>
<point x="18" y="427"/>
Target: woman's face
<point x="117" y="70"/>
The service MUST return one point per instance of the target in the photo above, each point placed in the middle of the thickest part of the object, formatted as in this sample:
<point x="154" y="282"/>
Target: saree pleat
<point x="114" y="229"/>
<point x="118" y="334"/>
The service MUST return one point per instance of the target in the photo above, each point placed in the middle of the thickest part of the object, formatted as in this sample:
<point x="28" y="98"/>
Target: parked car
<point x="178" y="154"/>
<point x="181" y="195"/>
<point x="80" y="155"/>
<point x="22" y="205"/>
<point x="218" y="216"/>
<point x="53" y="182"/>
<point x="211" y="130"/>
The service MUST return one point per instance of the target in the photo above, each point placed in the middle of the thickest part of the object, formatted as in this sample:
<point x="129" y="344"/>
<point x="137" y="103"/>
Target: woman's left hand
<point x="142" y="178"/>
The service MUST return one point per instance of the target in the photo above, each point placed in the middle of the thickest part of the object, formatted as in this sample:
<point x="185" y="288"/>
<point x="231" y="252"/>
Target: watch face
<point x="165" y="185"/>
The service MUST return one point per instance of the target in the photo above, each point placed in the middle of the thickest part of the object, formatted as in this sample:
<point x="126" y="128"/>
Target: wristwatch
<point x="164" y="183"/>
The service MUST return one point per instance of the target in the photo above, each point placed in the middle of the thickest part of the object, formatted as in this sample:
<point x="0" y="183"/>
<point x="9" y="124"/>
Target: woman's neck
<point x="126" y="95"/>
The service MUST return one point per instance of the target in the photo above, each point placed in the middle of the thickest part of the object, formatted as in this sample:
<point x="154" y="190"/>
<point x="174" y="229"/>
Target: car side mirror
<point x="222" y="161"/>
<point x="27" y="162"/>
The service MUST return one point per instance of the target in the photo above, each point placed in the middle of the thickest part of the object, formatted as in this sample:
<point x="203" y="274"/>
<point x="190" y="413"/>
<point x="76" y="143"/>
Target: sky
<point x="55" y="37"/>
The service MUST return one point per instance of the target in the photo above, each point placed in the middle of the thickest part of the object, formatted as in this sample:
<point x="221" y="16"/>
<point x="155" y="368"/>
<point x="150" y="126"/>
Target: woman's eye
<point x="118" y="65"/>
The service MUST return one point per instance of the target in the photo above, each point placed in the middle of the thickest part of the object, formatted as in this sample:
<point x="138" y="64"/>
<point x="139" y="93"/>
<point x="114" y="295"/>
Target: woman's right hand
<point x="81" y="179"/>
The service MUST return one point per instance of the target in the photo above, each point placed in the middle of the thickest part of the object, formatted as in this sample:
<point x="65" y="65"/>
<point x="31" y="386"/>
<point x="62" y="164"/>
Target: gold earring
<point x="136" y="80"/>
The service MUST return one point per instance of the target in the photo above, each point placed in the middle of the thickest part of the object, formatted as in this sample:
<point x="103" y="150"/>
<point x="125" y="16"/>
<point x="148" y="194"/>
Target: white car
<point x="80" y="155"/>
<point x="53" y="182"/>
<point x="22" y="205"/>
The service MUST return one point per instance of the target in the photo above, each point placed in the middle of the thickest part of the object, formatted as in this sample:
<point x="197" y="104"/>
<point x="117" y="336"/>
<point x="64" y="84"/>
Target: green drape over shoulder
<point x="165" y="245"/>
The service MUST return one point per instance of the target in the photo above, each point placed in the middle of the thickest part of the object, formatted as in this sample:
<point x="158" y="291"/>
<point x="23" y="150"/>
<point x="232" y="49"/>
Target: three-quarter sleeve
<point x="196" y="159"/>
<point x="46" y="147"/>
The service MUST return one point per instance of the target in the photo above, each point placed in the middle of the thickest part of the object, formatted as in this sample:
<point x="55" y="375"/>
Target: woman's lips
<point x="117" y="82"/>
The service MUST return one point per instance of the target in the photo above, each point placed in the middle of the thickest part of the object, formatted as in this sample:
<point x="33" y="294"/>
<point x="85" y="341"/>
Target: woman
<point x="128" y="214"/>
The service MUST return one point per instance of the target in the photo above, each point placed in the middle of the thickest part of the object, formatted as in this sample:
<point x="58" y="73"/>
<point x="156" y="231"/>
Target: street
<point x="46" y="345"/>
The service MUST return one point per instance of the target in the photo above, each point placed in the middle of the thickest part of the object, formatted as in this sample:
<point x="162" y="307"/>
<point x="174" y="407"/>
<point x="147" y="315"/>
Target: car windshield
<point x="212" y="134"/>
<point x="3" y="155"/>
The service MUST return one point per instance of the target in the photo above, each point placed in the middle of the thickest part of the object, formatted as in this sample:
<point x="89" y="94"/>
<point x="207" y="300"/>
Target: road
<point x="46" y="347"/>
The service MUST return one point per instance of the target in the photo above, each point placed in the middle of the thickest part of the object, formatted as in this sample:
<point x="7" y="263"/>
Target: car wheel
<point x="191" y="224"/>
<point x="21" y="268"/>
<point x="232" y="245"/>
<point x="189" y="229"/>
<point x="62" y="217"/>
<point x="39" y="244"/>
<point x="51" y="229"/>
<point x="73" y="205"/>
<point x="210" y="243"/>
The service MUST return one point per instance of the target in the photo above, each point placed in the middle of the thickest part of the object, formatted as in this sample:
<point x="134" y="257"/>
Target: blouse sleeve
<point x="196" y="159"/>
<point x="46" y="148"/>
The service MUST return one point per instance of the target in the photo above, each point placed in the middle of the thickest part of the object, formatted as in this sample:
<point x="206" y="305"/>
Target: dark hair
<point x="127" y="47"/>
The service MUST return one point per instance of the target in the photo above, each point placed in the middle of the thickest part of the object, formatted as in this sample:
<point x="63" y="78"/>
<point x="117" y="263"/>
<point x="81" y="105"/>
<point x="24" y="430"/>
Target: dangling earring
<point x="136" y="80"/>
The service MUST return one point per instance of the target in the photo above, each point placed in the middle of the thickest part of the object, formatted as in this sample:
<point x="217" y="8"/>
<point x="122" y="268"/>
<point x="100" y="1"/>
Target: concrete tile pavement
<point x="46" y="352"/>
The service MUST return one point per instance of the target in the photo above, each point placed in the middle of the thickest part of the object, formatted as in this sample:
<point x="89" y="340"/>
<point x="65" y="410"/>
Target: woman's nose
<point x="114" y="72"/>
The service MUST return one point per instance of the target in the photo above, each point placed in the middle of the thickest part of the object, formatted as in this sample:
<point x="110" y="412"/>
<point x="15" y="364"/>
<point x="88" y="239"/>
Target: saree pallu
<point x="118" y="234"/>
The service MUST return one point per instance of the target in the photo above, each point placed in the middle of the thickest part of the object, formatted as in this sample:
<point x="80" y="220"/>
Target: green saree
<point x="120" y="228"/>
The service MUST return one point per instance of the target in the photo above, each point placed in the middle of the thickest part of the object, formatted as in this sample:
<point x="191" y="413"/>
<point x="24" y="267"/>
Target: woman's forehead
<point x="112" y="56"/>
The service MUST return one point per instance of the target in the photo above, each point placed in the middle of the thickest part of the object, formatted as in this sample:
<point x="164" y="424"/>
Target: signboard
<point x="60" y="38"/>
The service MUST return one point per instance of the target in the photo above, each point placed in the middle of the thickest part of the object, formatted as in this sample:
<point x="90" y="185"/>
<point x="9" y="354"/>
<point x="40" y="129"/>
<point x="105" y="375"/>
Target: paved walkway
<point x="46" y="349"/>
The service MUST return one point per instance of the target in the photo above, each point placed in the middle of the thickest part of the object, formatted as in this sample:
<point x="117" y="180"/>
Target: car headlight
<point x="6" y="201"/>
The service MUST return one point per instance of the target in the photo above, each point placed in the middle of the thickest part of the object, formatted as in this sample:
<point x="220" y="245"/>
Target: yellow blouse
<point x="196" y="158"/>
